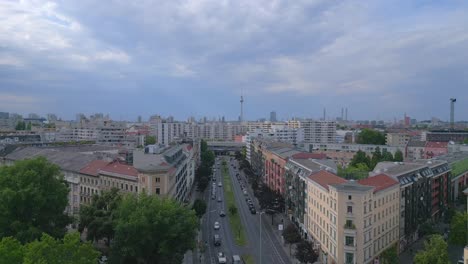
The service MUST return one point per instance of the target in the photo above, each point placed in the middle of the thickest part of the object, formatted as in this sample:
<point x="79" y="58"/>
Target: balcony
<point x="350" y="226"/>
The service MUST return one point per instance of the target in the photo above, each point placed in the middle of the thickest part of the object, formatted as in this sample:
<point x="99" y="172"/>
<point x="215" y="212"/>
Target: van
<point x="236" y="259"/>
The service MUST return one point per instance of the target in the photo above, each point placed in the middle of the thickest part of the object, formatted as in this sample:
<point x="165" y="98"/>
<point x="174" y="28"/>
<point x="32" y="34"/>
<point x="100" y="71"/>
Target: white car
<point x="216" y="226"/>
<point x="222" y="258"/>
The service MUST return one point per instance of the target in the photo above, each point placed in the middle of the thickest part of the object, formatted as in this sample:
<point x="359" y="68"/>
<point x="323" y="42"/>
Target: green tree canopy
<point x="458" y="229"/>
<point x="305" y="253"/>
<point x="48" y="250"/>
<point x="387" y="156"/>
<point x="376" y="158"/>
<point x="152" y="230"/>
<point x="435" y="252"/>
<point x="33" y="198"/>
<point x="398" y="156"/>
<point x="370" y="136"/>
<point x="98" y="217"/>
<point x="360" y="157"/>
<point x="390" y="255"/>
<point x="232" y="209"/>
<point x="200" y="207"/>
<point x="291" y="235"/>
<point x="150" y="140"/>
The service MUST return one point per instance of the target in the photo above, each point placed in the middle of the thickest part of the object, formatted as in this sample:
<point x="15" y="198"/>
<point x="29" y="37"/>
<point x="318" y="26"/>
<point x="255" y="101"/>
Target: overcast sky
<point x="379" y="59"/>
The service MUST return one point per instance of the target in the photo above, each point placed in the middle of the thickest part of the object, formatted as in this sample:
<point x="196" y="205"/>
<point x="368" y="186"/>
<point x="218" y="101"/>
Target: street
<point x="272" y="250"/>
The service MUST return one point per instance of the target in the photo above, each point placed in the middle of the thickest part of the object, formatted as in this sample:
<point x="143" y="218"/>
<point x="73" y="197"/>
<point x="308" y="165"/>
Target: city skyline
<point x="184" y="59"/>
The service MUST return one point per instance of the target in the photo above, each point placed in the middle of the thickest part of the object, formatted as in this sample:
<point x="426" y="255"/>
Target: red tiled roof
<point x="436" y="144"/>
<point x="326" y="178"/>
<point x="119" y="168"/>
<point x="93" y="167"/>
<point x="308" y="155"/>
<point x="380" y="182"/>
<point x="189" y="147"/>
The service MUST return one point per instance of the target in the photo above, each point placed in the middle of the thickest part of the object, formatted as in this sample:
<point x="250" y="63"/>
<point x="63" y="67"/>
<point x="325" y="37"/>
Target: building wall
<point x="361" y="233"/>
<point x="274" y="171"/>
<point x="397" y="139"/>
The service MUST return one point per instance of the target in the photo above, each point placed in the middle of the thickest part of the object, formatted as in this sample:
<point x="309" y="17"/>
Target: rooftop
<point x="325" y="178"/>
<point x="396" y="168"/>
<point x="380" y="182"/>
<point x="416" y="143"/>
<point x="70" y="161"/>
<point x="308" y="155"/>
<point x="436" y="144"/>
<point x="93" y="167"/>
<point x="119" y="168"/>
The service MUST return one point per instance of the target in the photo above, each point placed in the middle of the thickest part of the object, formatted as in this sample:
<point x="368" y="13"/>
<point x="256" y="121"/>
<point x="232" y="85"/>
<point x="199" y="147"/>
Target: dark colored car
<point x="217" y="240"/>
<point x="222" y="214"/>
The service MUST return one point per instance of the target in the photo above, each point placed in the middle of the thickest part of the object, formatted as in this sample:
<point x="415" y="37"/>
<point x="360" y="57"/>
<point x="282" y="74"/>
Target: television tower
<point x="241" y="118"/>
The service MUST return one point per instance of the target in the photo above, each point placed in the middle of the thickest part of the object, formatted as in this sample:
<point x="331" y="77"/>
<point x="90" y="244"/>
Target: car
<point x="222" y="258"/>
<point x="213" y="197"/>
<point x="222" y="213"/>
<point x="461" y="261"/>
<point x="236" y="259"/>
<point x="216" y="226"/>
<point x="245" y="193"/>
<point x="252" y="210"/>
<point x="220" y="184"/>
<point x="219" y="199"/>
<point x="216" y="240"/>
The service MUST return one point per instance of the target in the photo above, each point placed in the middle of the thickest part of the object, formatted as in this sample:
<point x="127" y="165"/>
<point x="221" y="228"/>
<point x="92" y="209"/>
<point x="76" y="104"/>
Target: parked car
<point x="236" y="259"/>
<point x="220" y="184"/>
<point x="222" y="213"/>
<point x="219" y="199"/>
<point x="216" y="226"/>
<point x="253" y="211"/>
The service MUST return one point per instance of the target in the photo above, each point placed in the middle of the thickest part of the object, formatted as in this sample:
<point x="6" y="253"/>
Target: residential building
<point x="445" y="136"/>
<point x="397" y="139"/>
<point x="424" y="195"/>
<point x="434" y="149"/>
<point x="344" y="221"/>
<point x="164" y="170"/>
<point x="458" y="162"/>
<point x="319" y="131"/>
<point x="297" y="169"/>
<point x="273" y="116"/>
<point x="415" y="150"/>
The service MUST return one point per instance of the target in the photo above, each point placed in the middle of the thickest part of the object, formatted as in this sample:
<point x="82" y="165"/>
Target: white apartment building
<point x="397" y="139"/>
<point x="351" y="222"/>
<point x="319" y="131"/>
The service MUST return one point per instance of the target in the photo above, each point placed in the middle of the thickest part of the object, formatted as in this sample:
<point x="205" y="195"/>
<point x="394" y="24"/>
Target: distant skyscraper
<point x="139" y="119"/>
<point x="241" y="117"/>
<point x="273" y="116"/>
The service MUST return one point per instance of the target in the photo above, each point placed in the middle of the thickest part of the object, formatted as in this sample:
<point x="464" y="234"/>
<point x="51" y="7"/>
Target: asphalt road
<point x="272" y="251"/>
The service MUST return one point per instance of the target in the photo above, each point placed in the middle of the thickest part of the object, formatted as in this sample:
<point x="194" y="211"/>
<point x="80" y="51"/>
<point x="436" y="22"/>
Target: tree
<point x="232" y="209"/>
<point x="376" y="158"/>
<point x="28" y="127"/>
<point x="370" y="136"/>
<point x="360" y="157"/>
<point x="200" y="207"/>
<point x="305" y="253"/>
<point x="11" y="251"/>
<point x="387" y="156"/>
<point x="398" y="156"/>
<point x="390" y="255"/>
<point x="98" y="217"/>
<point x="458" y="229"/>
<point x="48" y="250"/>
<point x="149" y="229"/>
<point x="33" y="198"/>
<point x="21" y="125"/>
<point x="291" y="235"/>
<point x="150" y="140"/>
<point x="435" y="252"/>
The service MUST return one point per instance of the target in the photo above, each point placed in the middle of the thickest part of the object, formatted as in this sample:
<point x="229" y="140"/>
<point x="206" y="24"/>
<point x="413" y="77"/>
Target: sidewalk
<point x="192" y="256"/>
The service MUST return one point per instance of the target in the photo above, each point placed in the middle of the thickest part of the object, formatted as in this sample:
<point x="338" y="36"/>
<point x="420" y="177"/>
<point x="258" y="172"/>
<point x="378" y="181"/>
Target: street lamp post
<point x="260" y="214"/>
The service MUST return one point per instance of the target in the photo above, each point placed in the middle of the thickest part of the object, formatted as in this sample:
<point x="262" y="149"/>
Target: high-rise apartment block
<point x="319" y="131"/>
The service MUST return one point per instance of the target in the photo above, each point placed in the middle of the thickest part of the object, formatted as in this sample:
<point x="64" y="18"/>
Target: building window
<point x="350" y="197"/>
<point x="158" y="190"/>
<point x="350" y="209"/>
<point x="349" y="241"/>
<point x="349" y="258"/>
<point x="158" y="179"/>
